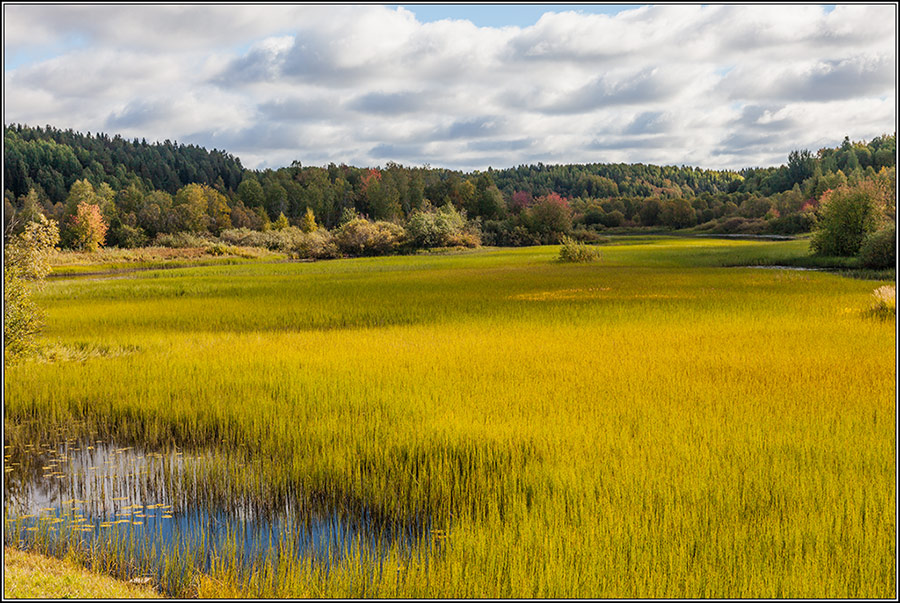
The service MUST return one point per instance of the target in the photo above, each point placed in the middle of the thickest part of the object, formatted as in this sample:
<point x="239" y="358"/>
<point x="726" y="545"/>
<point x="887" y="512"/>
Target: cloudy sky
<point x="468" y="87"/>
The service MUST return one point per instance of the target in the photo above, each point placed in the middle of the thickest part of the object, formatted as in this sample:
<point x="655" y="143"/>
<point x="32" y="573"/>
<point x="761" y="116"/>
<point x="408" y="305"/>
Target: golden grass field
<point x="655" y="424"/>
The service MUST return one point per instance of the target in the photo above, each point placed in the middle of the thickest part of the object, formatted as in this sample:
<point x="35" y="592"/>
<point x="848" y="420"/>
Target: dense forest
<point x="147" y="192"/>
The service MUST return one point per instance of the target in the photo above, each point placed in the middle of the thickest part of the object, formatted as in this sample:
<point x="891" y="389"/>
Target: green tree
<point x="251" y="193"/>
<point x="801" y="165"/>
<point x="276" y="199"/>
<point x="678" y="213"/>
<point x="191" y="207"/>
<point x="847" y="215"/>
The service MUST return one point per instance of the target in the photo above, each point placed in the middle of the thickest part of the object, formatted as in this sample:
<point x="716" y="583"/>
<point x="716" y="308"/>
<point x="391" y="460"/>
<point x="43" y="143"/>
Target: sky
<point x="722" y="86"/>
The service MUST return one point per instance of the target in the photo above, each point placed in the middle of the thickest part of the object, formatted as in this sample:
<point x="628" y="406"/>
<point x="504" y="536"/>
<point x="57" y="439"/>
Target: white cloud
<point x="715" y="86"/>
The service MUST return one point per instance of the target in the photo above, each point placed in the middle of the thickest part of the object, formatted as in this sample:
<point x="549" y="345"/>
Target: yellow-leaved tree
<point x="25" y="264"/>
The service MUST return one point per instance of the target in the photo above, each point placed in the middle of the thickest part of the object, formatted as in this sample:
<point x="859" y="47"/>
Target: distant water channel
<point x="95" y="490"/>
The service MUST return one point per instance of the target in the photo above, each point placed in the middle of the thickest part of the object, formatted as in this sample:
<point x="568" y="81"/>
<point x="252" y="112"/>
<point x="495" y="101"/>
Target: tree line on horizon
<point x="139" y="193"/>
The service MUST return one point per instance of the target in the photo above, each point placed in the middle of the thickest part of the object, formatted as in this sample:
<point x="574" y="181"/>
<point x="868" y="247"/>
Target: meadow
<point x="660" y="423"/>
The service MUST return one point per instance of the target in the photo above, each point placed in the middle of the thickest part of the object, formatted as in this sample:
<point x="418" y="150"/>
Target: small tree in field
<point x="87" y="228"/>
<point x="25" y="264"/>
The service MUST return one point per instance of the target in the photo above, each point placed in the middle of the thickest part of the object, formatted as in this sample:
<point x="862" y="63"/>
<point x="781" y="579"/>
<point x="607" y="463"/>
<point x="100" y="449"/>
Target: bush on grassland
<point x="573" y="251"/>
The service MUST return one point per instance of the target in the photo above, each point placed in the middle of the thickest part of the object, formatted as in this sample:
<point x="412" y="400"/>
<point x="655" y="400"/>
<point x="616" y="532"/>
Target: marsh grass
<point x="885" y="304"/>
<point x="655" y="425"/>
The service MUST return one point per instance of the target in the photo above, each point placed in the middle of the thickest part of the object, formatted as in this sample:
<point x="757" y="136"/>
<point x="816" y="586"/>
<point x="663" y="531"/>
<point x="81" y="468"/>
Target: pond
<point x="148" y="506"/>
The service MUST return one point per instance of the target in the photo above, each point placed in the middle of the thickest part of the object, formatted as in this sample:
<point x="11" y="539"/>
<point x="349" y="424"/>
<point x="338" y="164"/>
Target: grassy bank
<point x="31" y="576"/>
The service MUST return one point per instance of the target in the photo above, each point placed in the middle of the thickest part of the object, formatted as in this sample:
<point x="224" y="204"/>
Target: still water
<point x="91" y="490"/>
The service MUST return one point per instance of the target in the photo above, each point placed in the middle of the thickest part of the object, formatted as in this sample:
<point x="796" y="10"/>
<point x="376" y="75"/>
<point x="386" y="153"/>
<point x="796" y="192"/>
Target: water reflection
<point x="96" y="491"/>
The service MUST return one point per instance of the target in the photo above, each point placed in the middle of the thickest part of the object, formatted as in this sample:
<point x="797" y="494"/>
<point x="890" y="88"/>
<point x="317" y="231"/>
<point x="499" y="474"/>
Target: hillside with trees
<point x="110" y="191"/>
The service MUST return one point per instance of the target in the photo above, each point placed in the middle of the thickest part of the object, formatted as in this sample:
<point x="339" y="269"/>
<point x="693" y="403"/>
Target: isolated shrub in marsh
<point x="885" y="305"/>
<point x="573" y="251"/>
<point x="219" y="249"/>
<point x="879" y="249"/>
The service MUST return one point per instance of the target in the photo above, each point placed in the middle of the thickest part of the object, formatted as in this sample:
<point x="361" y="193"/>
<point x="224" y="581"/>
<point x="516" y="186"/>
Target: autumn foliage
<point x="87" y="228"/>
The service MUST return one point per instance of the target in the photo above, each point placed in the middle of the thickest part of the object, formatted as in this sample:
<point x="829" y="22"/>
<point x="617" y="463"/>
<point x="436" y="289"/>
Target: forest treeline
<point x="149" y="192"/>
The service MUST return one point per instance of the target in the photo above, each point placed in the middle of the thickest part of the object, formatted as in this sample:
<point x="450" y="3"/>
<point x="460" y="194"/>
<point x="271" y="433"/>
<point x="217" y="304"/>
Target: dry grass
<point x="885" y="305"/>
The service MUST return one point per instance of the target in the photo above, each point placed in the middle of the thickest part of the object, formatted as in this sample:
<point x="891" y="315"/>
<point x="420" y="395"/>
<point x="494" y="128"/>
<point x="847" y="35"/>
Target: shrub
<point x="885" y="305"/>
<point x="444" y="227"/>
<point x="180" y="240"/>
<point x="879" y="249"/>
<point x="847" y="216"/>
<point x="284" y="240"/>
<point x="362" y="237"/>
<point x="507" y="233"/>
<point x="125" y="236"/>
<point x="242" y="236"/>
<point x="219" y="249"/>
<point x="316" y="245"/>
<point x="549" y="217"/>
<point x="793" y="223"/>
<point x="573" y="251"/>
